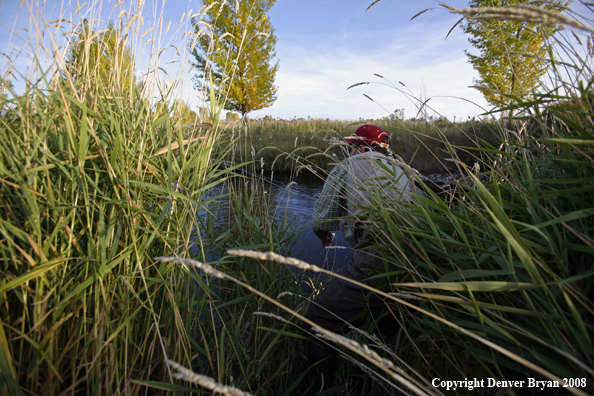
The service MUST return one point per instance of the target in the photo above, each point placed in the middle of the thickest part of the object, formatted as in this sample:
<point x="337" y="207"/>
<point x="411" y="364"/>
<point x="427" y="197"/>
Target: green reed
<point x="96" y="183"/>
<point x="507" y="259"/>
<point x="494" y="280"/>
<point x="286" y="145"/>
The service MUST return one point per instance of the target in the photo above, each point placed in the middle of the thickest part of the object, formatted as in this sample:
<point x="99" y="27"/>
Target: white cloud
<point x="315" y="84"/>
<point x="315" y="71"/>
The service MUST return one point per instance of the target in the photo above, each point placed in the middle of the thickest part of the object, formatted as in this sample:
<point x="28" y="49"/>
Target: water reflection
<point x="299" y="199"/>
<point x="295" y="196"/>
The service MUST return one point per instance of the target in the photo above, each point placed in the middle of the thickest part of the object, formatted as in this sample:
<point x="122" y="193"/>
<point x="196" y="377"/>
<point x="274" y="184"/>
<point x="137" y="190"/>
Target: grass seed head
<point x="206" y="268"/>
<point x="205" y="381"/>
<point x="520" y="13"/>
<point x="274" y="257"/>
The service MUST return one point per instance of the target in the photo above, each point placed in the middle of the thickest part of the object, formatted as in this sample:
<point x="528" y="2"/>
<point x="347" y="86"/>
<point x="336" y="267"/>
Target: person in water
<point x="368" y="170"/>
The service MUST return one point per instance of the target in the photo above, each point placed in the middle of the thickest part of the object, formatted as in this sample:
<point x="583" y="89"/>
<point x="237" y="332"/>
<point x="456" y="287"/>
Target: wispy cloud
<point x="323" y="56"/>
<point x="315" y="82"/>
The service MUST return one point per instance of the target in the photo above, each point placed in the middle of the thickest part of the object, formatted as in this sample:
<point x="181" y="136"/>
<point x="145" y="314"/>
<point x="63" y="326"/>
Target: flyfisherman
<point x="368" y="172"/>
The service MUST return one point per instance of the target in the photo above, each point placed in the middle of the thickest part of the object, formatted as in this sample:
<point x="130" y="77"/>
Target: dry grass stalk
<point x="175" y="145"/>
<point x="373" y="374"/>
<point x="369" y="354"/>
<point x="273" y="316"/>
<point x="364" y="349"/>
<point x="266" y="148"/>
<point x="206" y="268"/>
<point x="302" y="265"/>
<point x="203" y="380"/>
<point x="306" y="167"/>
<point x="520" y="13"/>
<point x="275" y="257"/>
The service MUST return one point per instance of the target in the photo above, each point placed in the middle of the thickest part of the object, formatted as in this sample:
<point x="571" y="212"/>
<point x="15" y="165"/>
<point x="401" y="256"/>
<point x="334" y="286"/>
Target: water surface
<point x="295" y="196"/>
<point x="299" y="199"/>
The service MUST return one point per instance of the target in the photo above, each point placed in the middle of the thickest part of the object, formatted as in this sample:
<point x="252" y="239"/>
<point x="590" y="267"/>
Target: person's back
<point x="371" y="174"/>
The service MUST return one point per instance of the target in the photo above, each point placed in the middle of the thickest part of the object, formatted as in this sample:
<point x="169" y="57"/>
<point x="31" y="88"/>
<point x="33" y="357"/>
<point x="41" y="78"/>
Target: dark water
<point x="299" y="199"/>
<point x="295" y="196"/>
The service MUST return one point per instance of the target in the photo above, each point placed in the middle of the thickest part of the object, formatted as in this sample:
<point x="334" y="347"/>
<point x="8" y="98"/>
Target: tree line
<point x="236" y="57"/>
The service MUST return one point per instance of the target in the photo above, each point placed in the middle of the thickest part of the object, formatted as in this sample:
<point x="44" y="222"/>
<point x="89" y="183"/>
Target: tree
<point x="511" y="54"/>
<point x="5" y="87"/>
<point x="100" y="59"/>
<point x="238" y="54"/>
<point x="232" y="117"/>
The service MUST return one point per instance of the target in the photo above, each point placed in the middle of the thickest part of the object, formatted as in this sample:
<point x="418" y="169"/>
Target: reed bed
<point x="98" y="185"/>
<point x="285" y="145"/>
<point x="494" y="281"/>
<point x="96" y="181"/>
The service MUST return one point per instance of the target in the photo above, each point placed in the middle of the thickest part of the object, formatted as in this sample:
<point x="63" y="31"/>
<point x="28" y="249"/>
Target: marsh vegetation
<point x="310" y="144"/>
<point x="111" y="282"/>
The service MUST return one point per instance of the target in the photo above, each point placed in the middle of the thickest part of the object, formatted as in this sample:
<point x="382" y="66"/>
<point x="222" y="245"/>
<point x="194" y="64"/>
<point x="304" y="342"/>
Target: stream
<point x="297" y="196"/>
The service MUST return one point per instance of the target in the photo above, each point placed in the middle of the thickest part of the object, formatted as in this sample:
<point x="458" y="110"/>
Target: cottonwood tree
<point x="238" y="52"/>
<point x="511" y="55"/>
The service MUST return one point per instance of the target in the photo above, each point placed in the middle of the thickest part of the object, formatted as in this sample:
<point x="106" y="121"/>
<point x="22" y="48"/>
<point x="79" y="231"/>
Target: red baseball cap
<point x="368" y="134"/>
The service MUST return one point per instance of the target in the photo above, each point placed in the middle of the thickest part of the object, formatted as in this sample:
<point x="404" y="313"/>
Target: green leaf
<point x="487" y="286"/>
<point x="572" y="140"/>
<point x="8" y="380"/>
<point x="83" y="138"/>
<point x="32" y="274"/>
<point x="578" y="214"/>
<point x="472" y="273"/>
<point x="165" y="386"/>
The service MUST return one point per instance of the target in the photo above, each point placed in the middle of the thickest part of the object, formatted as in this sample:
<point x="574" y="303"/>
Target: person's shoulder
<point x="341" y="166"/>
<point x="371" y="155"/>
<point x="361" y="156"/>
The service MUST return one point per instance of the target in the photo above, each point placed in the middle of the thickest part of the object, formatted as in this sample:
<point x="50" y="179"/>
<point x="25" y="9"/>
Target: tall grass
<point x="510" y="261"/>
<point x="97" y="179"/>
<point x="96" y="183"/>
<point x="84" y="305"/>
<point x="286" y="145"/>
<point x="494" y="282"/>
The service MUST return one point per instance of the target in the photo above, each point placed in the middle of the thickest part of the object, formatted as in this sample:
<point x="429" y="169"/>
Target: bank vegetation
<point x="116" y="279"/>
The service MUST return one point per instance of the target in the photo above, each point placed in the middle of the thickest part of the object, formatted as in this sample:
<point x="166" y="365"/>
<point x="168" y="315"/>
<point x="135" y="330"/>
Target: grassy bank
<point x="286" y="145"/>
<point x="91" y="193"/>
<point x="95" y="182"/>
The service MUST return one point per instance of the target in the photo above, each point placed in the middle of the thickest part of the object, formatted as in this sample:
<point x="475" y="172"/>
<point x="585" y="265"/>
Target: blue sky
<point x="324" y="46"/>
